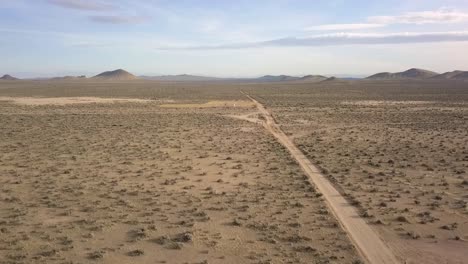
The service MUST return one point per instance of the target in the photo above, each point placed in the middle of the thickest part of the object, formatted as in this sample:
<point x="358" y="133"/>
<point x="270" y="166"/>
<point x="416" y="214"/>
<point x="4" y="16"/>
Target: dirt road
<point x="366" y="240"/>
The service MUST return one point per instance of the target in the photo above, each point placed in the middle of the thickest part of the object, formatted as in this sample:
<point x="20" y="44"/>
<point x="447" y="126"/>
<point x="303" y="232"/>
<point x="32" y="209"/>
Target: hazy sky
<point x="233" y="37"/>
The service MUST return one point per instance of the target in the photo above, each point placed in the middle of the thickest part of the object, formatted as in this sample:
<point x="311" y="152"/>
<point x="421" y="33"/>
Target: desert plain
<point x="186" y="172"/>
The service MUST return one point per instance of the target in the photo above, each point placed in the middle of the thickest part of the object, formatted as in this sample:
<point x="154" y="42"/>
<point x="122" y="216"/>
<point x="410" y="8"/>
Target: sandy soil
<point x="402" y="163"/>
<point x="367" y="241"/>
<point x="137" y="183"/>
<point x="130" y="182"/>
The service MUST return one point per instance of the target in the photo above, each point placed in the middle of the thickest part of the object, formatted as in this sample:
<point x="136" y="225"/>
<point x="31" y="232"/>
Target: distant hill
<point x="8" y="77"/>
<point x="416" y="73"/>
<point x="381" y="75"/>
<point x="461" y="76"/>
<point x="180" y="77"/>
<point x="454" y="75"/>
<point x="350" y="78"/>
<point x="312" y="78"/>
<point x="332" y="79"/>
<point x="447" y="75"/>
<point x="276" y="78"/>
<point x="117" y="75"/>
<point x="66" y="78"/>
<point x="409" y="74"/>
<point x="266" y="78"/>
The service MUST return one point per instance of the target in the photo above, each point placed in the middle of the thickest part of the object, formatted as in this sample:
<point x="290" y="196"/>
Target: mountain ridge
<point x="179" y="77"/>
<point x="453" y="75"/>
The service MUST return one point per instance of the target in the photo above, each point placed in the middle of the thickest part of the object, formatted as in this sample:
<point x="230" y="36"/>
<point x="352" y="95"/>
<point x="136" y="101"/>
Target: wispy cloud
<point x="109" y="17"/>
<point x="339" y="39"/>
<point x="337" y="27"/>
<point x="35" y="32"/>
<point x="442" y="15"/>
<point x="82" y="5"/>
<point x="89" y="44"/>
<point x="117" y="19"/>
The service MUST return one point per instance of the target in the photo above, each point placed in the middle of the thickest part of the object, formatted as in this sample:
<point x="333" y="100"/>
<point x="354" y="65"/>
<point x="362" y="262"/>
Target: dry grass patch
<point x="69" y="100"/>
<point x="211" y="104"/>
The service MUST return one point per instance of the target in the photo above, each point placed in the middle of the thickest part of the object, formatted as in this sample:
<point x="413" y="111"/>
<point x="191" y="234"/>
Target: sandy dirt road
<point x="366" y="240"/>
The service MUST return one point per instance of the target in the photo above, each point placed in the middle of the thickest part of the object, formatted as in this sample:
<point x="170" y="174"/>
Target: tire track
<point x="370" y="246"/>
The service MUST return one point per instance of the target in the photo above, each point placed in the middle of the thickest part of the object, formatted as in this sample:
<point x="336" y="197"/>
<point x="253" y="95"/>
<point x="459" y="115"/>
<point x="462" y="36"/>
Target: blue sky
<point x="231" y="38"/>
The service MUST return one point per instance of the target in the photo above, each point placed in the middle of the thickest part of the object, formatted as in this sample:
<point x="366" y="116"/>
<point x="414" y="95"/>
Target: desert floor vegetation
<point x="398" y="151"/>
<point x="133" y="182"/>
<point x="154" y="172"/>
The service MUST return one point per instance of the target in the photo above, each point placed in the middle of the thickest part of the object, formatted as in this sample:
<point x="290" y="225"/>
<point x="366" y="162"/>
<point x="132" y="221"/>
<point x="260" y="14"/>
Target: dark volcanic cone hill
<point x="117" y="75"/>
<point x="409" y="74"/>
<point x="8" y="77"/>
<point x="416" y="73"/>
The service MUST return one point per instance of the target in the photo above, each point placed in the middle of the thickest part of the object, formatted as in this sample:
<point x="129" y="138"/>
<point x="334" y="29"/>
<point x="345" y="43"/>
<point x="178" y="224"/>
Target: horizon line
<point x="30" y="75"/>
